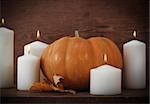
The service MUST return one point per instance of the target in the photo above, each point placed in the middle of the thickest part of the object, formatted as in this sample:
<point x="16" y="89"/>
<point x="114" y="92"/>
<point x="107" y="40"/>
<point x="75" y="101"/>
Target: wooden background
<point x="115" y="19"/>
<point x="0" y="8"/>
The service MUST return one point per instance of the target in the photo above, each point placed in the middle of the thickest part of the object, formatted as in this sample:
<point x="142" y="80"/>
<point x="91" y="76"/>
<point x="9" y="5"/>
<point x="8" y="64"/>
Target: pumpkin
<point x="73" y="57"/>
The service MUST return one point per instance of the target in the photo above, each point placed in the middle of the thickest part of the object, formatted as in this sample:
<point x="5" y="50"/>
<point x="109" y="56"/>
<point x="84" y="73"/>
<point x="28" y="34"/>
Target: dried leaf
<point x="47" y="86"/>
<point x="62" y="90"/>
<point x="40" y="87"/>
<point x="57" y="79"/>
<point x="60" y="86"/>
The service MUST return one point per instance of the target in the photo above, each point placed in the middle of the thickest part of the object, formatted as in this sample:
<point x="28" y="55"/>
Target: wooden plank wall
<point x="0" y="9"/>
<point x="115" y="19"/>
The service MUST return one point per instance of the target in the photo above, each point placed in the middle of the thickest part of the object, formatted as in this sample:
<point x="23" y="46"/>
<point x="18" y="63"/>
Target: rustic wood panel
<point x="57" y="18"/>
<point x="0" y="9"/>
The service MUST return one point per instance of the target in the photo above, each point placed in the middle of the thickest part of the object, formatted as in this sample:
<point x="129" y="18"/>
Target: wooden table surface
<point x="127" y="96"/>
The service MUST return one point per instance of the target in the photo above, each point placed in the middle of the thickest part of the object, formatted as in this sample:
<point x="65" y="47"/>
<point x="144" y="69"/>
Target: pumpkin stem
<point x="76" y="33"/>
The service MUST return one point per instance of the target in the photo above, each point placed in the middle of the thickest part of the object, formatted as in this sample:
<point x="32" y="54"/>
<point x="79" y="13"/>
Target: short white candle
<point x="6" y="57"/>
<point x="28" y="71"/>
<point x="134" y="53"/>
<point x="105" y="80"/>
<point x="36" y="49"/>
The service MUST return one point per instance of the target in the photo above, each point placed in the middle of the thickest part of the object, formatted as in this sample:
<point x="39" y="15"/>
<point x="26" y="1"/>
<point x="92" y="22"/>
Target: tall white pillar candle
<point x="6" y="57"/>
<point x="105" y="80"/>
<point x="134" y="53"/>
<point x="28" y="71"/>
<point x="36" y="49"/>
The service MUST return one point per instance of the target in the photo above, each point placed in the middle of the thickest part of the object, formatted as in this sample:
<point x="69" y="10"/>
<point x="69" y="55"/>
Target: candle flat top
<point x="37" y="43"/>
<point x="4" y="29"/>
<point x="28" y="56"/>
<point x="105" y="67"/>
<point x="134" y="43"/>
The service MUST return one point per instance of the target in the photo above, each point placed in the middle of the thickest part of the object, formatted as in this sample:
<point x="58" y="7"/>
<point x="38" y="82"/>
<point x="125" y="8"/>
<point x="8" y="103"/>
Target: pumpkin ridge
<point x="42" y="62"/>
<point x="92" y="52"/>
<point x="68" y="70"/>
<point x="49" y="60"/>
<point x="60" y="55"/>
<point x="65" y="59"/>
<point x="99" y="44"/>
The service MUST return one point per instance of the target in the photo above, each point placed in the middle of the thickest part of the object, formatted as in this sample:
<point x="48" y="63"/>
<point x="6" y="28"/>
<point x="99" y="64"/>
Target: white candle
<point x="28" y="71"/>
<point x="134" y="53"/>
<point x="36" y="49"/>
<point x="6" y="57"/>
<point x="105" y="80"/>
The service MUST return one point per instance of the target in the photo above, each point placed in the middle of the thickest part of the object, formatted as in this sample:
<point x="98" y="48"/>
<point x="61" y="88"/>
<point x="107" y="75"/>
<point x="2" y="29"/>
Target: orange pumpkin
<point x="73" y="57"/>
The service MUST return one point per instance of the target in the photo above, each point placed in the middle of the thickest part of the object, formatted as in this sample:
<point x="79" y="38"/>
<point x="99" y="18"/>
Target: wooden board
<point x="127" y="96"/>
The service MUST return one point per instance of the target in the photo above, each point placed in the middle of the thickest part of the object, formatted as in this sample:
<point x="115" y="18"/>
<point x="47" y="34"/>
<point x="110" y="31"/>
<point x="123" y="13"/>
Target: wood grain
<point x="58" y="18"/>
<point x="0" y="9"/>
